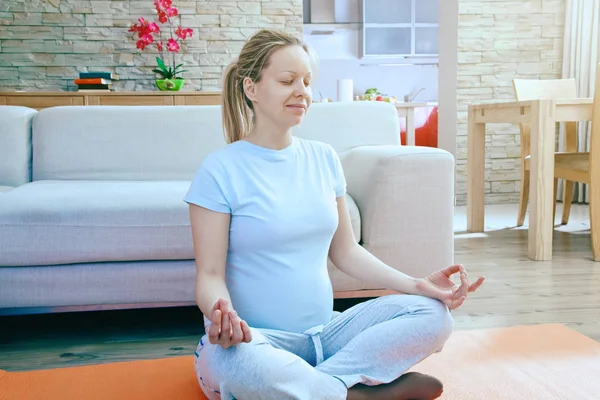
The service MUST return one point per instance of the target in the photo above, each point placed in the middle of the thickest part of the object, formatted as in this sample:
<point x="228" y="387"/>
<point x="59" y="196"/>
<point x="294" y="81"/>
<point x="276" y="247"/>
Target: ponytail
<point x="236" y="108"/>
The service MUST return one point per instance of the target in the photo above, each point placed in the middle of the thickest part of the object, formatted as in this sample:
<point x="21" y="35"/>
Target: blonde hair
<point x="237" y="109"/>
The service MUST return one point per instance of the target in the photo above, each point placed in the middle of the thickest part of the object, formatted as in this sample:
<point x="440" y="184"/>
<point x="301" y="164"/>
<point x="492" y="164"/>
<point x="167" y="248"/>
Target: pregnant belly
<point x="294" y="302"/>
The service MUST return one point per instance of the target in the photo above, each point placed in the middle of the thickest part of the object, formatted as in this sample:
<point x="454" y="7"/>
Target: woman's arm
<point x="351" y="258"/>
<point x="210" y="234"/>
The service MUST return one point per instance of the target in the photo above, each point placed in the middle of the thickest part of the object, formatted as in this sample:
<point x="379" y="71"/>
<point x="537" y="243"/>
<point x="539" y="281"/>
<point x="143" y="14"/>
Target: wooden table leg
<point x="594" y="186"/>
<point x="595" y="208"/>
<point x="475" y="175"/>
<point x="410" y="126"/>
<point x="541" y="186"/>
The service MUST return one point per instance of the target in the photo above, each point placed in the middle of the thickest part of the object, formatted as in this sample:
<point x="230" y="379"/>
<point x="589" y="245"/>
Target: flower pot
<point x="169" y="84"/>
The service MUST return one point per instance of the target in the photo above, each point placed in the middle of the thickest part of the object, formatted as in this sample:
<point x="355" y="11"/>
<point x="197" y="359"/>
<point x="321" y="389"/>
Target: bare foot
<point x="410" y="386"/>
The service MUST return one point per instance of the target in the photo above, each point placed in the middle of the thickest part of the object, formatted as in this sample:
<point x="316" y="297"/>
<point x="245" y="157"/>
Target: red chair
<point x="426" y="135"/>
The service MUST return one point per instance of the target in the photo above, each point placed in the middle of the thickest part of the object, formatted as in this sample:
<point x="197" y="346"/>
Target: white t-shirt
<point x="283" y="217"/>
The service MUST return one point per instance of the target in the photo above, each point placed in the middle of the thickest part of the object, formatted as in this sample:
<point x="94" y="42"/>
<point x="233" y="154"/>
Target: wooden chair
<point x="532" y="89"/>
<point x="585" y="168"/>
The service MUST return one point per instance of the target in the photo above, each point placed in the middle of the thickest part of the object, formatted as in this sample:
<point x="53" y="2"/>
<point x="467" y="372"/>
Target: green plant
<point x="167" y="72"/>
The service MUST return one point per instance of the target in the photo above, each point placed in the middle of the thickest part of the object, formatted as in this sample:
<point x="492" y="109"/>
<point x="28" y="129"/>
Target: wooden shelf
<point x="40" y="100"/>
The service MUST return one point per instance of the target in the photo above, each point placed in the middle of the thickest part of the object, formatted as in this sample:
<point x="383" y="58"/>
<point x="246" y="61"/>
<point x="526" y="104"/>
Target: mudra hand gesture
<point x="439" y="286"/>
<point x="227" y="329"/>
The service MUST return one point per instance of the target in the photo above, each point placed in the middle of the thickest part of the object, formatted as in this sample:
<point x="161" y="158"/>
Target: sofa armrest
<point x="405" y="196"/>
<point x="15" y="145"/>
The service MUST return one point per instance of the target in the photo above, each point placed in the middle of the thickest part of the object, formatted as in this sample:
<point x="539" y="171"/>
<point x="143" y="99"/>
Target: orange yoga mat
<point x="527" y="362"/>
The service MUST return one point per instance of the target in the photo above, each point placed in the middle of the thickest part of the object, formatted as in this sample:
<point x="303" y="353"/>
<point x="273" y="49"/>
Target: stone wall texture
<point x="44" y="44"/>
<point x="498" y="41"/>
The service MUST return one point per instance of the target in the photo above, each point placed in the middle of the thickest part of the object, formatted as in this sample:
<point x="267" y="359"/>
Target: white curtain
<point x="579" y="62"/>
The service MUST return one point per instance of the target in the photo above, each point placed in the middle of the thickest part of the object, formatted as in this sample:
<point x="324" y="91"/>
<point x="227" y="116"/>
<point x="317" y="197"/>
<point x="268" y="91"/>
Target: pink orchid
<point x="162" y="17"/>
<point x="184" y="33"/>
<point x="153" y="27"/>
<point x="148" y="38"/>
<point x="163" y="4"/>
<point x="144" y="28"/>
<point x="148" y="33"/>
<point x="172" y="45"/>
<point x="136" y="27"/>
<point x="144" y="41"/>
<point x="141" y="44"/>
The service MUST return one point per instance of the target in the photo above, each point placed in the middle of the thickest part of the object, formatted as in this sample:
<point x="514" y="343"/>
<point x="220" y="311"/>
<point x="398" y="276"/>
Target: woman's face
<point x="283" y="93"/>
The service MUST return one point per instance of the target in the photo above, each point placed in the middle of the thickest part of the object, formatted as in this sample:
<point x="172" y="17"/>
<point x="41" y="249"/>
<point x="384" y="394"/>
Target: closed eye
<point x="306" y="83"/>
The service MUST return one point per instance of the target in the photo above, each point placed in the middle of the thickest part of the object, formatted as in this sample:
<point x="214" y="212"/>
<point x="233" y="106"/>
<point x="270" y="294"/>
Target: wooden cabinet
<point x="40" y="100"/>
<point x="128" y="100"/>
<point x="399" y="28"/>
<point x="198" y="100"/>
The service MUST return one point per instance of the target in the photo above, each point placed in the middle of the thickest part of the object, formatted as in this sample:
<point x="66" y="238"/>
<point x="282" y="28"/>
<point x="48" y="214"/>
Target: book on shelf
<point x="94" y="87"/>
<point x="93" y="81"/>
<point x="94" y="90"/>
<point x="98" y="74"/>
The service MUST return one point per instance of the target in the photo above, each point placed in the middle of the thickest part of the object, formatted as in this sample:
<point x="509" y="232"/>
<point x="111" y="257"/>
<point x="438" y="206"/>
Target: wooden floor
<point x="517" y="291"/>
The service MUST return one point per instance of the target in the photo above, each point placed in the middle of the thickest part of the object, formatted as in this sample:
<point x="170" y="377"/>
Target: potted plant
<point x="149" y="34"/>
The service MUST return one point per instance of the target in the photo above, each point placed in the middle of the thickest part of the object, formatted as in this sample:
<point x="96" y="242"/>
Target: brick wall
<point x="44" y="44"/>
<point x="499" y="41"/>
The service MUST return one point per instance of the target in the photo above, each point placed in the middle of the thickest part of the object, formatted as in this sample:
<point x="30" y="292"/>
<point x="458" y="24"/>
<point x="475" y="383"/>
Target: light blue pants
<point x="372" y="343"/>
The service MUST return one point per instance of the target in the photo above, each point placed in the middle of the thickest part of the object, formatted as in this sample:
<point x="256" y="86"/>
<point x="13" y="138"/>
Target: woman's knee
<point x="220" y="369"/>
<point x="248" y="370"/>
<point x="207" y="370"/>
<point x="439" y="319"/>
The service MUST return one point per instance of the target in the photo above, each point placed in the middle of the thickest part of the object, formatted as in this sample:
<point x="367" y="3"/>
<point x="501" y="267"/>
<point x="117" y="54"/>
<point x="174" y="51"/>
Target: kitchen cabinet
<point x="330" y="12"/>
<point x="346" y="11"/>
<point x="399" y="28"/>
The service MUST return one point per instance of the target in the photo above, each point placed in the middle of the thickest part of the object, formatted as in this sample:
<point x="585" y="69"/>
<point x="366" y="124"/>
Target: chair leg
<point x="554" y="200"/>
<point x="569" y="189"/>
<point x="524" y="197"/>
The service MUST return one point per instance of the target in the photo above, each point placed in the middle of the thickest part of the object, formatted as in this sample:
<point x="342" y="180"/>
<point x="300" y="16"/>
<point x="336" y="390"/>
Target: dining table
<point x="542" y="114"/>
<point x="407" y="110"/>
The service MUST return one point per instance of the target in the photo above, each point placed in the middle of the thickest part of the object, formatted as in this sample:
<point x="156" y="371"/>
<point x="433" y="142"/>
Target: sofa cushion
<point x="62" y="222"/>
<point x="132" y="143"/>
<point x="124" y="143"/>
<point x="346" y="125"/>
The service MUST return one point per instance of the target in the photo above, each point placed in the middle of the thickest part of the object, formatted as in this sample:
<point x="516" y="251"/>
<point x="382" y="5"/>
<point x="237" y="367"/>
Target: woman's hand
<point x="227" y="329"/>
<point x="439" y="286"/>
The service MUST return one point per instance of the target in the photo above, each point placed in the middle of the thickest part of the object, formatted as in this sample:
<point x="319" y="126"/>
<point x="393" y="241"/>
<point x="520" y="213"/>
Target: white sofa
<point x="92" y="213"/>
